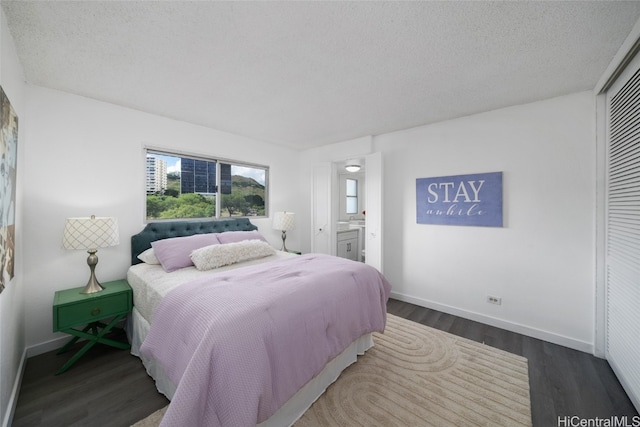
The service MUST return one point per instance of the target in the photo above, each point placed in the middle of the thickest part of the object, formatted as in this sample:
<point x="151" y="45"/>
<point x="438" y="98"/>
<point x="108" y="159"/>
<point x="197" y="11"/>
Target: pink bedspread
<point x="239" y="344"/>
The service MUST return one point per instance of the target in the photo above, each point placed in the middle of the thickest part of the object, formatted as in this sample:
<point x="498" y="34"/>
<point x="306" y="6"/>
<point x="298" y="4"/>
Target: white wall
<point x="86" y="157"/>
<point x="542" y="261"/>
<point x="12" y="340"/>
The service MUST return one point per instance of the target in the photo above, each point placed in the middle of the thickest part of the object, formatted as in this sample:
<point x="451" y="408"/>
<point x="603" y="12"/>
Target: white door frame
<point x="324" y="208"/>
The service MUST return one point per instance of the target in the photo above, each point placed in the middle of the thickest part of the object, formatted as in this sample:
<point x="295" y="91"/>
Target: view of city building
<point x="156" y="175"/>
<point x="199" y="176"/>
<point x="196" y="176"/>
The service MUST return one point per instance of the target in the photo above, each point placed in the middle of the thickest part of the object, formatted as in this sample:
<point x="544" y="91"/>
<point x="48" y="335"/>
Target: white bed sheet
<point x="150" y="283"/>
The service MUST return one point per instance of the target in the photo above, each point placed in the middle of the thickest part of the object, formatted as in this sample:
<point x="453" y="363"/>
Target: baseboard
<point x="15" y="392"/>
<point x="47" y="346"/>
<point x="499" y="323"/>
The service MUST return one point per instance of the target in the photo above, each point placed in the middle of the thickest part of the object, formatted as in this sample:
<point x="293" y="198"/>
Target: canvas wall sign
<point x="8" y="162"/>
<point x="474" y="200"/>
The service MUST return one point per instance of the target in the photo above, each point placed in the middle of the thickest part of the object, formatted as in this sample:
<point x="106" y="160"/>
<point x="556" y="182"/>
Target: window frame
<point x="218" y="195"/>
<point x="348" y="197"/>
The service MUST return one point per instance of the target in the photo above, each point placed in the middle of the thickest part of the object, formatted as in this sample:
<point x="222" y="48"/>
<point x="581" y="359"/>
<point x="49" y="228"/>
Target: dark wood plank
<point x="106" y="387"/>
<point x="109" y="387"/>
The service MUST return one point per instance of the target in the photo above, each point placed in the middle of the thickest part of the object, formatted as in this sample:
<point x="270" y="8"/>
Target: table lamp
<point x="90" y="234"/>
<point x="284" y="221"/>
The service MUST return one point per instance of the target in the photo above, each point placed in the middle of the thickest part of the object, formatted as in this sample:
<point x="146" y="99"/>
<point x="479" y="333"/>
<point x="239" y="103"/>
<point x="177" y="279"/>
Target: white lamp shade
<point x="90" y="233"/>
<point x="284" y="221"/>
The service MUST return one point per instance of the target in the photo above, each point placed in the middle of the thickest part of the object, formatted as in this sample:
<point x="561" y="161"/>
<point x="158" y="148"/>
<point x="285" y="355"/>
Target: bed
<point x="236" y="333"/>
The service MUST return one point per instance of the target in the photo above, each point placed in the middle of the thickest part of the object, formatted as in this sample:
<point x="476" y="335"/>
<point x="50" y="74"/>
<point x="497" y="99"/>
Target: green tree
<point x="187" y="205"/>
<point x="235" y="203"/>
<point x="154" y="206"/>
<point x="157" y="204"/>
<point x="187" y="211"/>
<point x="254" y="200"/>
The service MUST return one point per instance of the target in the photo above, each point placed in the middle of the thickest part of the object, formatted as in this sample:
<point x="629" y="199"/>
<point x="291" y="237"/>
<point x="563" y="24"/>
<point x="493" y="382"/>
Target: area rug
<point x="419" y="376"/>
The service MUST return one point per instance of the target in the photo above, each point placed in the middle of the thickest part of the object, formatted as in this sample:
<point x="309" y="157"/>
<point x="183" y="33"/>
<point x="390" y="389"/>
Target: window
<point x="352" y="196"/>
<point x="183" y="186"/>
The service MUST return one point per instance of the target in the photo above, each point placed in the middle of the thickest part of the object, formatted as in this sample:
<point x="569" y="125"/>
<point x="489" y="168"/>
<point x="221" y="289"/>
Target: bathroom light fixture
<point x="90" y="234"/>
<point x="352" y="165"/>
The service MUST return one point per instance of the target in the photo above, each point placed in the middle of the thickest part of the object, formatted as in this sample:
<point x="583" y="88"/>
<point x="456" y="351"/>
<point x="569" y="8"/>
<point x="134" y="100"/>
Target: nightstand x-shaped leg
<point x="96" y="336"/>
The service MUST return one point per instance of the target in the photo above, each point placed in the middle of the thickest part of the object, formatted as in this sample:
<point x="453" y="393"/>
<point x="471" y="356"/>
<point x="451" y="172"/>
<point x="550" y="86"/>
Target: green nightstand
<point x="72" y="309"/>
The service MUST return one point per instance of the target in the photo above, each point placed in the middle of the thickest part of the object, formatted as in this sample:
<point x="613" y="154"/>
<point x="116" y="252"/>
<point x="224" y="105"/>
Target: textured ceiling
<point x="304" y="74"/>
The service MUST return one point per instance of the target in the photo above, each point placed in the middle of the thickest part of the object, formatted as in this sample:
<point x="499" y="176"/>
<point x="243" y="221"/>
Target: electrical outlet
<point x="494" y="300"/>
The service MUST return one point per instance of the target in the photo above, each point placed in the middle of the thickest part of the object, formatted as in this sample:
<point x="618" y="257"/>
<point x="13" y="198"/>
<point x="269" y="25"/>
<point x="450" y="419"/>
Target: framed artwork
<point x="474" y="200"/>
<point x="8" y="162"/>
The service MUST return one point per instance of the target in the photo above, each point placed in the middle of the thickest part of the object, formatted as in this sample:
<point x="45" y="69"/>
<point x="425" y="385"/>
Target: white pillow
<point x="239" y="236"/>
<point x="215" y="256"/>
<point x="149" y="257"/>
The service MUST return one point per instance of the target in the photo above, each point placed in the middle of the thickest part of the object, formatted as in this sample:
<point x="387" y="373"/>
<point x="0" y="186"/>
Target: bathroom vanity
<point x="348" y="246"/>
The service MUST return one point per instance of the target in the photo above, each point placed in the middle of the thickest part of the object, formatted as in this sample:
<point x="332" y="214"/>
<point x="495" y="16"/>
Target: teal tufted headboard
<point x="163" y="230"/>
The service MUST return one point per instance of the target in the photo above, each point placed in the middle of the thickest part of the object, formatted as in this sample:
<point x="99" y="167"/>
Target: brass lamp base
<point x="93" y="285"/>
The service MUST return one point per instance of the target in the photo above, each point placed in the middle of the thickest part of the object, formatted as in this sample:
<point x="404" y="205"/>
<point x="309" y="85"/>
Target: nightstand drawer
<point x="92" y="310"/>
<point x="71" y="308"/>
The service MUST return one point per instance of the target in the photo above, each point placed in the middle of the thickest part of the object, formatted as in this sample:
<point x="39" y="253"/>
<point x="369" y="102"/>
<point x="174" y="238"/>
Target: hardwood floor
<point x="563" y="382"/>
<point x="109" y="387"/>
<point x="105" y="387"/>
